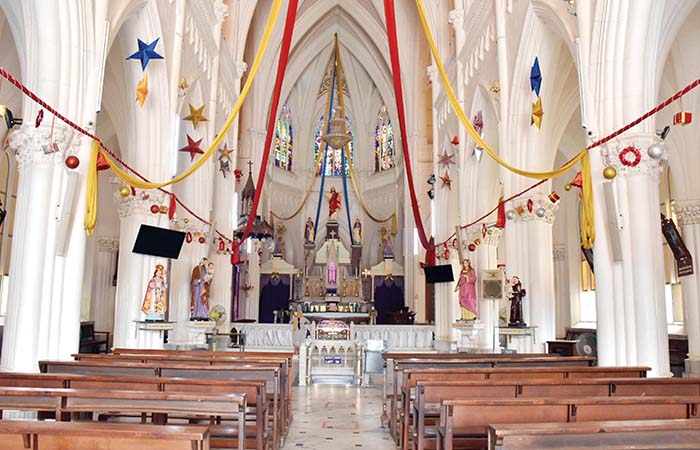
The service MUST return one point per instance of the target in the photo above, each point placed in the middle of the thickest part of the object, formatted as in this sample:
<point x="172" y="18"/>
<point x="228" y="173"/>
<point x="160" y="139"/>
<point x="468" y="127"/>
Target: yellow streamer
<point x="587" y="225"/>
<point x="90" y="219"/>
<point x="303" y="202"/>
<point x="91" y="200"/>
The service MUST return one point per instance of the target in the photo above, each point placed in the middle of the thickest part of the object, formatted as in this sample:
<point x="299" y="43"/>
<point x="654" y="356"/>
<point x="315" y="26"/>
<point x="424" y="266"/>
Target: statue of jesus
<point x="333" y="205"/>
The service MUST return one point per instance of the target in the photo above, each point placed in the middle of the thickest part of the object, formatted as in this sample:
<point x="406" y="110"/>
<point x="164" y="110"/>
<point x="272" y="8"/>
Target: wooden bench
<point x="411" y="375"/>
<point x="92" y="341"/>
<point x="257" y="410"/>
<point x="429" y="394"/>
<point x="72" y="403"/>
<point x="498" y="433"/>
<point x="169" y="369"/>
<point x="23" y="434"/>
<point x="463" y="422"/>
<point x="650" y="440"/>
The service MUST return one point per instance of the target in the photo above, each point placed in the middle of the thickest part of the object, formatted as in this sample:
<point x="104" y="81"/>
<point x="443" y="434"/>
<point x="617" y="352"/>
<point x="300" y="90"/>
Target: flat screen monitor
<point x="439" y="274"/>
<point x="157" y="241"/>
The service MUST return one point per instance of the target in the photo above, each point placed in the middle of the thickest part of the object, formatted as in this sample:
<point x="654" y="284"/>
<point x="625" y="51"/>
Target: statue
<point x="386" y="250"/>
<point x="279" y="240"/>
<point x="155" y="302"/>
<point x="333" y="205"/>
<point x="466" y="285"/>
<point x="309" y="231"/>
<point x="357" y="231"/>
<point x="202" y="275"/>
<point x="516" y="303"/>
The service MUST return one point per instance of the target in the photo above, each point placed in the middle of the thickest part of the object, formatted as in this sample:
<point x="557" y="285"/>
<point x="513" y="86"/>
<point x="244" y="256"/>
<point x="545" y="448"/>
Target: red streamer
<point x="396" y="71"/>
<point x="272" y="119"/>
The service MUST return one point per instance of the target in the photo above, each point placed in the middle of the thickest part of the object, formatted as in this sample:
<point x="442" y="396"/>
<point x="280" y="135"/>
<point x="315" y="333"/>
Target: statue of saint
<point x="202" y="275"/>
<point x="333" y="205"/>
<point x="309" y="231"/>
<point x="516" y="303"/>
<point x="279" y="240"/>
<point x="466" y="285"/>
<point x="155" y="302"/>
<point x="385" y="244"/>
<point x="357" y="231"/>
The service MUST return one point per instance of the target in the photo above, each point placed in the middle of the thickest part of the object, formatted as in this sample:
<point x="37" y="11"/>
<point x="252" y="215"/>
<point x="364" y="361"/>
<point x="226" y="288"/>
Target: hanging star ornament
<point x="446" y="180"/>
<point x="192" y="148"/>
<point x="196" y="116"/>
<point x="536" y="77"/>
<point x="537" y="113"/>
<point x="446" y="160"/>
<point x="146" y="53"/>
<point x="142" y="90"/>
<point x="225" y="160"/>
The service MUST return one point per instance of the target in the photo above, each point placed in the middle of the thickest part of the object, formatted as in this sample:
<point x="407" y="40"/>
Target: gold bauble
<point x="609" y="173"/>
<point x="186" y="220"/>
<point x="124" y="191"/>
<point x="567" y="187"/>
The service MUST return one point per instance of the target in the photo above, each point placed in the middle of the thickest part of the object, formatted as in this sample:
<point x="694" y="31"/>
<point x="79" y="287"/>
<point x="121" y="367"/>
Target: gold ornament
<point x="567" y="187"/>
<point x="609" y="173"/>
<point x="186" y="220"/>
<point x="124" y="191"/>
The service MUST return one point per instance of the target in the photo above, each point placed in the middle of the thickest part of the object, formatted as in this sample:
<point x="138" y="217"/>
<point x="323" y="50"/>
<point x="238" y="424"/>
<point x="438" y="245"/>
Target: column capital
<point x="194" y="226"/>
<point x="108" y="245"/>
<point x="456" y="18"/>
<point x="138" y="204"/>
<point x="537" y="207"/>
<point x="241" y="67"/>
<point x="43" y="144"/>
<point x="688" y="211"/>
<point x="629" y="155"/>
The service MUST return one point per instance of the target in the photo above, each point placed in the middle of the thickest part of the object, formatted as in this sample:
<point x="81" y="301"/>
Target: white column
<point x="251" y="304"/>
<point x="102" y="290"/>
<point x="688" y="212"/>
<point x="562" y="304"/>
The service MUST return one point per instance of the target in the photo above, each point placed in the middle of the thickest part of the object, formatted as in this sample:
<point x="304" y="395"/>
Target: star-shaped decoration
<point x="142" y="90"/>
<point x="536" y="77"/>
<point x="225" y="153"/>
<point x="192" y="148"/>
<point x="183" y="84"/>
<point x="446" y="160"/>
<point x="446" y="180"/>
<point x="146" y="53"/>
<point x="537" y="113"/>
<point x="196" y="116"/>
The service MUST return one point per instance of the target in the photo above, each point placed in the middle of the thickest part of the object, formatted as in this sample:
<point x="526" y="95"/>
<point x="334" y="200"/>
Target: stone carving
<point x="33" y="145"/>
<point x="107" y="245"/>
<point x="688" y="212"/>
<point x="629" y="156"/>
<point x="138" y="204"/>
<point x="559" y="253"/>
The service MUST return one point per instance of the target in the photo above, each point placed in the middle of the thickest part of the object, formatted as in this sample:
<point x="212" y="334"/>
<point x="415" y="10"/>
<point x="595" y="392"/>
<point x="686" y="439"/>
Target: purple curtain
<point x="274" y="295"/>
<point x="388" y="296"/>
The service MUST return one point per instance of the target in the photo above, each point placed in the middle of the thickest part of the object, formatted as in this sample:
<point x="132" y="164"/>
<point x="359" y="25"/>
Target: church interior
<point x="381" y="224"/>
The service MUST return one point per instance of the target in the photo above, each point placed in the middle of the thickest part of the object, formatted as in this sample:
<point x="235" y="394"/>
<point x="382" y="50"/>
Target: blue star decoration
<point x="146" y="53"/>
<point x="536" y="77"/>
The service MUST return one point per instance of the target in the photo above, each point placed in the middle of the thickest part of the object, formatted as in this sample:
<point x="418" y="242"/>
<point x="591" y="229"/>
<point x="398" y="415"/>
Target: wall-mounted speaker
<point x="492" y="284"/>
<point x="64" y="211"/>
<point x="612" y="223"/>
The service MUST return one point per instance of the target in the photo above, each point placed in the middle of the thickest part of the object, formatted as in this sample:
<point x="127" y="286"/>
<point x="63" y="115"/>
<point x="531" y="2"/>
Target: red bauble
<point x="455" y="140"/>
<point x="222" y="245"/>
<point x="72" y="162"/>
<point x="188" y="237"/>
<point x="471" y="247"/>
<point x="155" y="209"/>
<point x="202" y="240"/>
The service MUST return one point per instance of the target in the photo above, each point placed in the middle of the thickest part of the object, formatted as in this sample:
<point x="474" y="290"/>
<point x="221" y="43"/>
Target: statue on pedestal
<point x="385" y="247"/>
<point x="279" y="240"/>
<point x="309" y="231"/>
<point x="466" y="285"/>
<point x="516" y="303"/>
<point x="200" y="284"/>
<point x="333" y="205"/>
<point x="155" y="302"/>
<point x="357" y="232"/>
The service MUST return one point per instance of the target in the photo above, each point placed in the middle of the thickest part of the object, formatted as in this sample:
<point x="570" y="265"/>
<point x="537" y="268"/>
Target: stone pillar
<point x="102" y="289"/>
<point x="562" y="302"/>
<point x="251" y="305"/>
<point x="688" y="212"/>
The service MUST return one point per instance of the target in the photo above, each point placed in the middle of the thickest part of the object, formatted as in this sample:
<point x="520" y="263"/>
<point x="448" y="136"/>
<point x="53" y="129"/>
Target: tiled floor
<point x="328" y="417"/>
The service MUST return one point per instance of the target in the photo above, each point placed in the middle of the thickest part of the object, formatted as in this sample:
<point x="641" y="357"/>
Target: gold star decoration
<point x="537" y="113"/>
<point x="446" y="159"/>
<point x="446" y="180"/>
<point x="142" y="90"/>
<point x="183" y="84"/>
<point x="196" y="116"/>
<point x="225" y="153"/>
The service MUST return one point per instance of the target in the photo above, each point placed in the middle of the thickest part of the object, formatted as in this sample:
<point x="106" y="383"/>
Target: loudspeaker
<point x="492" y="284"/>
<point x="612" y="222"/>
<point x="157" y="241"/>
<point x="439" y="274"/>
<point x="63" y="212"/>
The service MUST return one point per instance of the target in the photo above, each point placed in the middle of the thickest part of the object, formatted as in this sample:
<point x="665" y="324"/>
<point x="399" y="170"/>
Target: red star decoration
<point x="446" y="180"/>
<point x="192" y="147"/>
<point x="446" y="160"/>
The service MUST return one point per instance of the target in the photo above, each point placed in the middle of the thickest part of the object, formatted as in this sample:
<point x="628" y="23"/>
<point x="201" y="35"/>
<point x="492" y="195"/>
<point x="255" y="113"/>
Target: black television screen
<point x="157" y="241"/>
<point x="438" y="274"/>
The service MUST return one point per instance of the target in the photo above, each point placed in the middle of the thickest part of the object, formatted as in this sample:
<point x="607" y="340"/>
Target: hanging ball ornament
<point x="540" y="212"/>
<point x="155" y="209"/>
<point x="655" y="151"/>
<point x="72" y="162"/>
<point x="567" y="187"/>
<point x="124" y="191"/>
<point x="186" y="220"/>
<point x="609" y="173"/>
<point x="471" y="247"/>
<point x="511" y="215"/>
<point x="202" y="240"/>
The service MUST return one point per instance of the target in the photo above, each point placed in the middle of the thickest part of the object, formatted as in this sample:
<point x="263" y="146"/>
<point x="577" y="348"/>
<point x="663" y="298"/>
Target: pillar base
<point x="446" y="346"/>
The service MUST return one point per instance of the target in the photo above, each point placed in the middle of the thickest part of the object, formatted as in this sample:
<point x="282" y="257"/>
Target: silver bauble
<point x="540" y="212"/>
<point x="655" y="151"/>
<point x="511" y="215"/>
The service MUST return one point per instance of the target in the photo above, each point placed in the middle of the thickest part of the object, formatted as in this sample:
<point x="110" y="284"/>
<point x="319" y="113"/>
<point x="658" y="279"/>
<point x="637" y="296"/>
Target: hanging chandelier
<point x="338" y="136"/>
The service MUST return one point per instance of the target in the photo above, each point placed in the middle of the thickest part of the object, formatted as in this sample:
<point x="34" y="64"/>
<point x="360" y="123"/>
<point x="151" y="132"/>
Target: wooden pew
<point x="429" y="394"/>
<point x="466" y="420"/>
<point x="498" y="433"/>
<point x="411" y="375"/>
<point x="68" y="403"/>
<point x="390" y="357"/>
<point x="255" y="392"/>
<point x="169" y="369"/>
<point x="24" y="434"/>
<point x="637" y="440"/>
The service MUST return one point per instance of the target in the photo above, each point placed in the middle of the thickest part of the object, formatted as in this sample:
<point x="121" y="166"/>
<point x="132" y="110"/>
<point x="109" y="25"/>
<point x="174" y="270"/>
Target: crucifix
<point x="250" y="167"/>
<point x="332" y="233"/>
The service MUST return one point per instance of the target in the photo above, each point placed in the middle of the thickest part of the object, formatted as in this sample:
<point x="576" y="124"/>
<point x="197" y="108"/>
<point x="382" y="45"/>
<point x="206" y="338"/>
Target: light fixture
<point x="338" y="136"/>
<point x="10" y="119"/>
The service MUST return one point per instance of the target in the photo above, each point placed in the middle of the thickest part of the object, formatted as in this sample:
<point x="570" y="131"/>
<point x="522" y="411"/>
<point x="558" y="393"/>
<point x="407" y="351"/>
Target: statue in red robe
<point x="333" y="205"/>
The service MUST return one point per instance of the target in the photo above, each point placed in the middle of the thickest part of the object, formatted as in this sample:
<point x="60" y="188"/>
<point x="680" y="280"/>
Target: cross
<point x="250" y="167"/>
<point x="332" y="233"/>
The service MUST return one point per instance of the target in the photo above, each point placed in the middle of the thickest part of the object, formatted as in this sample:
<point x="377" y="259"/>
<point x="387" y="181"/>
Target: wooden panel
<point x="653" y="389"/>
<point x="641" y="440"/>
<point x="632" y="411"/>
<point x="483" y="415"/>
<point x="565" y="390"/>
<point x="526" y="375"/>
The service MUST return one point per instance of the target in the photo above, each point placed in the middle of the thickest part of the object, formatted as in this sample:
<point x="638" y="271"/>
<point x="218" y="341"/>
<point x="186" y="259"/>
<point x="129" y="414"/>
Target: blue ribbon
<point x="325" y="150"/>
<point x="345" y="189"/>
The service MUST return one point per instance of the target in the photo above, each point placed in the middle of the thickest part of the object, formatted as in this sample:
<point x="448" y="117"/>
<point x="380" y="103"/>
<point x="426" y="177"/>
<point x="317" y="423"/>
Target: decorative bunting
<point x="192" y="148"/>
<point x="146" y="53"/>
<point x="446" y="160"/>
<point x="446" y="180"/>
<point x="196" y="116"/>
<point x="537" y="113"/>
<point x="142" y="90"/>
<point x="536" y="77"/>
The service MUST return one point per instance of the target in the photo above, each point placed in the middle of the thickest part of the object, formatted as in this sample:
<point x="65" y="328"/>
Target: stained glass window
<point x="333" y="157"/>
<point x="383" y="142"/>
<point x="284" y="139"/>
